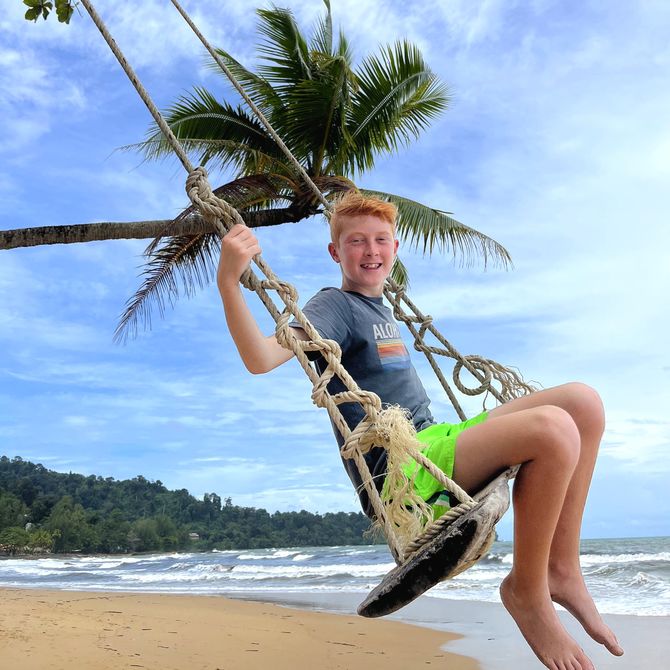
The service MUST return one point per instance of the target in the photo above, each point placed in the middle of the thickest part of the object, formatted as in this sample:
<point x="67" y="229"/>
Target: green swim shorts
<point x="440" y="441"/>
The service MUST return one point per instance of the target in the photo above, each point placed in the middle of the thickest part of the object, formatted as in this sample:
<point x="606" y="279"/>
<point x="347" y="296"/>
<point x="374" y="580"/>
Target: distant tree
<point x="42" y="506"/>
<point x="26" y="490"/>
<point x="13" y="540"/>
<point x="42" y="540"/>
<point x="146" y="534"/>
<point x="13" y="511"/>
<point x="70" y="520"/>
<point x="168" y="536"/>
<point x="213" y="502"/>
<point x="113" y="532"/>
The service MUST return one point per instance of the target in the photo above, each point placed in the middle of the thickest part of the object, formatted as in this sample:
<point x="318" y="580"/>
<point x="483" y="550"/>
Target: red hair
<point x="354" y="203"/>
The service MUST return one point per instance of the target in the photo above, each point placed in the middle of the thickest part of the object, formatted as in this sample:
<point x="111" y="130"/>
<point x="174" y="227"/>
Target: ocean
<point x="625" y="576"/>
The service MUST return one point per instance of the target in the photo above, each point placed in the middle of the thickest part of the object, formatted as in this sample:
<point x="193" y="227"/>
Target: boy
<point x="553" y="434"/>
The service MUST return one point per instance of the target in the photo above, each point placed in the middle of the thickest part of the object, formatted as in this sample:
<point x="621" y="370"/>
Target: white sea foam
<point x="625" y="576"/>
<point x="267" y="554"/>
<point x="599" y="559"/>
<point x="505" y="559"/>
<point x="482" y="575"/>
<point x="31" y="571"/>
<point x="297" y="572"/>
<point x="284" y="553"/>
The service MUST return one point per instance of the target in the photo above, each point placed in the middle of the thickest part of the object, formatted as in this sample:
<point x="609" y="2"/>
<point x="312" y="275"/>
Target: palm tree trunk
<point x="134" y="230"/>
<point x="88" y="232"/>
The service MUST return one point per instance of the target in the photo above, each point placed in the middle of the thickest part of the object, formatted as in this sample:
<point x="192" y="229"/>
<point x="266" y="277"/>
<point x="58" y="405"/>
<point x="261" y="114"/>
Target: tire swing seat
<point x="449" y="552"/>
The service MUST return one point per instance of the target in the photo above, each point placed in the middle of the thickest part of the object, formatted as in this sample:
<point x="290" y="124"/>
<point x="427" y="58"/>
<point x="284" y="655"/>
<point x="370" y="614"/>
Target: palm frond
<point x="399" y="273"/>
<point x="425" y="229"/>
<point x="191" y="259"/>
<point x="201" y="116"/>
<point x="333" y="185"/>
<point x="323" y="37"/>
<point x="397" y="97"/>
<point x="343" y="48"/>
<point x="284" y="49"/>
<point x="238" y="155"/>
<point x="316" y="111"/>
<point x="257" y="88"/>
<point x="304" y="201"/>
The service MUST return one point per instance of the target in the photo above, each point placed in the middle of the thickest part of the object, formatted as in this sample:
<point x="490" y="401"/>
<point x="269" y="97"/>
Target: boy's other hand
<point x="238" y="247"/>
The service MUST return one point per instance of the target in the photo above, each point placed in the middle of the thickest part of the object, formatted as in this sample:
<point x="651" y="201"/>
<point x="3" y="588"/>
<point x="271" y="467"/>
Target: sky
<point x="556" y="143"/>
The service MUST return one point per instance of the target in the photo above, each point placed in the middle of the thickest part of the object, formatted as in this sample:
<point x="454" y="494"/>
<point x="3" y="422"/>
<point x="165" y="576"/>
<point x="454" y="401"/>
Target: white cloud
<point x="475" y="22"/>
<point x="322" y="499"/>
<point x="34" y="94"/>
<point x="641" y="444"/>
<point x="295" y="429"/>
<point x="78" y="421"/>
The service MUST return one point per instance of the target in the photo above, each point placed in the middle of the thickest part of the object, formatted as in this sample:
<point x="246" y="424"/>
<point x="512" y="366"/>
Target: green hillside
<point x="45" y="511"/>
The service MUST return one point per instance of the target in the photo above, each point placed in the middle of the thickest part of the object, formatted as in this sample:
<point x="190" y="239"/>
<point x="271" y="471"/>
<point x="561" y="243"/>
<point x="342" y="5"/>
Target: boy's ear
<point x="332" y="250"/>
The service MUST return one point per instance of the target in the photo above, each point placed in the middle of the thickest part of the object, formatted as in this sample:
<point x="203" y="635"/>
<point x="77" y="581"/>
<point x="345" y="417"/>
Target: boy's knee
<point x="586" y="405"/>
<point x="556" y="433"/>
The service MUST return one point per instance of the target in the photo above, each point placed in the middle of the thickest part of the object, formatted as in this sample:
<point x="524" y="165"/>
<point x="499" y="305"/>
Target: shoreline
<point x="101" y="630"/>
<point x="489" y="635"/>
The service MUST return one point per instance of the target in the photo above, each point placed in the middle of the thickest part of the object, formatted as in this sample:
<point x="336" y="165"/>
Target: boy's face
<point x="365" y="251"/>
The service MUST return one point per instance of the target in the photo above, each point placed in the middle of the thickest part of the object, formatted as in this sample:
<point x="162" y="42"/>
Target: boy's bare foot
<point x="571" y="592"/>
<point x="539" y="624"/>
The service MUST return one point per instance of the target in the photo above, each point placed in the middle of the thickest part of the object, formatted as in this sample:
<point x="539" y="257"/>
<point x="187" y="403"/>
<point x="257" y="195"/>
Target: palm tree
<point x="335" y="118"/>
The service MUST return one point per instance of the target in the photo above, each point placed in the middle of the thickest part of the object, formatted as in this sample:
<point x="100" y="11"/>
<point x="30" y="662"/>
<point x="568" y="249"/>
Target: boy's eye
<point x="378" y="240"/>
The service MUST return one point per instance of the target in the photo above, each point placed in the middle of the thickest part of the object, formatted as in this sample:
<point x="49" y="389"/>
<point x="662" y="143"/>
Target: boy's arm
<point x="258" y="352"/>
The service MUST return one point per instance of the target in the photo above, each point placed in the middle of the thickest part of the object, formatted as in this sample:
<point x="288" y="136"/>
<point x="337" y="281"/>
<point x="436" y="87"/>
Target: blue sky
<point x="556" y="144"/>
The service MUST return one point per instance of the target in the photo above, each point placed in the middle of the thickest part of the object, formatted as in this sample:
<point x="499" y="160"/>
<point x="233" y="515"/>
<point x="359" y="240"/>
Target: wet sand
<point x="489" y="635"/>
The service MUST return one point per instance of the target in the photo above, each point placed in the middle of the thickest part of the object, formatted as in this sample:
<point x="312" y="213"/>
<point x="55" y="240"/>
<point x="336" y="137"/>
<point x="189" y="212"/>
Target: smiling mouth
<point x="371" y="266"/>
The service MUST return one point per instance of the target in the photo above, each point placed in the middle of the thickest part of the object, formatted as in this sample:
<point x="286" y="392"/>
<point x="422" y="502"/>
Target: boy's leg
<point x="566" y="582"/>
<point x="545" y="441"/>
<point x="585" y="408"/>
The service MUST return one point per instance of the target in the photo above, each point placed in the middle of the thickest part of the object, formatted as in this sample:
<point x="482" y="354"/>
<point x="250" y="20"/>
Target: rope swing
<point x="425" y="551"/>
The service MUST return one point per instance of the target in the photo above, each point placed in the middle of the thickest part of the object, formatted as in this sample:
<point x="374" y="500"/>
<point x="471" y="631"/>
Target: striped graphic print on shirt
<point x="393" y="354"/>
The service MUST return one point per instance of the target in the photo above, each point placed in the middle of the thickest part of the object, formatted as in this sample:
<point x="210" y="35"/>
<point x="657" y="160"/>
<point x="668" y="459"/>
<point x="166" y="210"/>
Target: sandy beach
<point x="66" y="630"/>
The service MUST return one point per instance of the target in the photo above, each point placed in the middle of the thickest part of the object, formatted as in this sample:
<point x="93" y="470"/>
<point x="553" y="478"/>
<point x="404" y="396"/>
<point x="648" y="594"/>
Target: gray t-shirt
<point x="375" y="356"/>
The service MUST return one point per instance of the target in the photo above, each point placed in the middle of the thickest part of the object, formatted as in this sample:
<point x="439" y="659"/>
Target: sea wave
<point x="624" y="576"/>
<point x="299" y="572"/>
<point x="599" y="559"/>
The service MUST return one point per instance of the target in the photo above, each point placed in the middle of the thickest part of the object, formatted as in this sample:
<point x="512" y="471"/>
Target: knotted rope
<point x="484" y="370"/>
